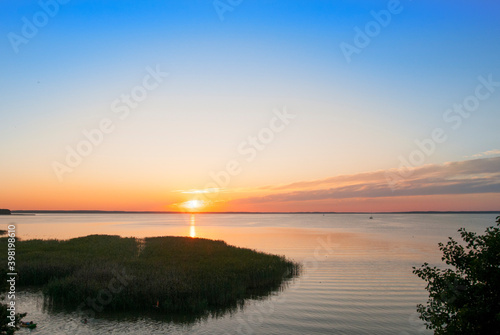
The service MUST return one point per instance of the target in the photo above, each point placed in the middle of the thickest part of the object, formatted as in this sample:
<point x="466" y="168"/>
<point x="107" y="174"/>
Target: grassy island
<point x="167" y="274"/>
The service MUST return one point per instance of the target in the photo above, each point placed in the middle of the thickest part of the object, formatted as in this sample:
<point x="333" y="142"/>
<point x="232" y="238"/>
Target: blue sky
<point x="226" y="77"/>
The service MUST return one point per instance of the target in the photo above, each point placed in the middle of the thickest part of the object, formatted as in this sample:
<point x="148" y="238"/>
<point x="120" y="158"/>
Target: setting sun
<point x="193" y="204"/>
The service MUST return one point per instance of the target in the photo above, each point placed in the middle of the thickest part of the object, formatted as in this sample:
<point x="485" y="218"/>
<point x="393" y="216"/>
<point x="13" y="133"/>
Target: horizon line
<point x="245" y="212"/>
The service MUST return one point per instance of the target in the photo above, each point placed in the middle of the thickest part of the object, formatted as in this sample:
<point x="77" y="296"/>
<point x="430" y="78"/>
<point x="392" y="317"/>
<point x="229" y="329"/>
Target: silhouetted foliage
<point x="5" y="212"/>
<point x="5" y="328"/>
<point x="465" y="299"/>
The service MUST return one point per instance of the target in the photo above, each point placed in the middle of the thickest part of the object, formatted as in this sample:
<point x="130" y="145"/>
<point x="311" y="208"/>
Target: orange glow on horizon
<point x="294" y="197"/>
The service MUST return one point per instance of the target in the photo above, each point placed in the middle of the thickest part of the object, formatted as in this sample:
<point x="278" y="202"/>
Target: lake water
<point x="357" y="280"/>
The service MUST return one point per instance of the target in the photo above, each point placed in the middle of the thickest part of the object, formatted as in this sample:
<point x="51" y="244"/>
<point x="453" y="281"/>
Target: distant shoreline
<point x="169" y="212"/>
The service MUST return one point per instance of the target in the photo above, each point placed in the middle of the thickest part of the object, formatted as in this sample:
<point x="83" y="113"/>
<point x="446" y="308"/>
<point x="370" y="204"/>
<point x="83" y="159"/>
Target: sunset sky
<point x="250" y="105"/>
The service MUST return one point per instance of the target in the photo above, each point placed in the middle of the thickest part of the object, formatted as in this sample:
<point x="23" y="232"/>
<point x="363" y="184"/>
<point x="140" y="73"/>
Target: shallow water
<point x="357" y="277"/>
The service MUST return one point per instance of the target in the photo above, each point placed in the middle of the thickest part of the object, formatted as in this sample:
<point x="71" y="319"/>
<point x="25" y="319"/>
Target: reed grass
<point x="176" y="274"/>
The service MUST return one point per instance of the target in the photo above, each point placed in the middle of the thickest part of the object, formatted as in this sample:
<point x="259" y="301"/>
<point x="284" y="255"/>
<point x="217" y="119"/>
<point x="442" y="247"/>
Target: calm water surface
<point x="357" y="277"/>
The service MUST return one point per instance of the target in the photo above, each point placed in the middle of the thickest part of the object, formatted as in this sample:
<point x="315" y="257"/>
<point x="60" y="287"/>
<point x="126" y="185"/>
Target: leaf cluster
<point x="464" y="298"/>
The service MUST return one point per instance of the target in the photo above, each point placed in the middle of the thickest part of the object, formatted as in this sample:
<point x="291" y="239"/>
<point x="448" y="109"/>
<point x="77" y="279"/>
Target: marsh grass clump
<point x="166" y="274"/>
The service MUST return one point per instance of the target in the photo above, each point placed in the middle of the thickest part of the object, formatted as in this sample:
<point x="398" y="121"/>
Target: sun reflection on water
<point x="192" y="229"/>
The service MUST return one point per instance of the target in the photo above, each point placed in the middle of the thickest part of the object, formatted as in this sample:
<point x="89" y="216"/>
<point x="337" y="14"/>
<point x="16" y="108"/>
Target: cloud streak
<point x="493" y="152"/>
<point x="463" y="177"/>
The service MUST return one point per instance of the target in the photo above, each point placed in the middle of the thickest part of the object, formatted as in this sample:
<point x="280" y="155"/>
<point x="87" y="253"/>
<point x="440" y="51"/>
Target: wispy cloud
<point x="493" y="152"/>
<point x="463" y="177"/>
<point x="200" y="191"/>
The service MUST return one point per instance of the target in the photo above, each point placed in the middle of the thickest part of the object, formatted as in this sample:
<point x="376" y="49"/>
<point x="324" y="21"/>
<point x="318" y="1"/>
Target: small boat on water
<point x="29" y="325"/>
<point x="371" y="217"/>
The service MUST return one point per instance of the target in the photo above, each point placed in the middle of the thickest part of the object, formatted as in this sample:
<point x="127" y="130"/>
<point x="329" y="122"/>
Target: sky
<point x="236" y="105"/>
